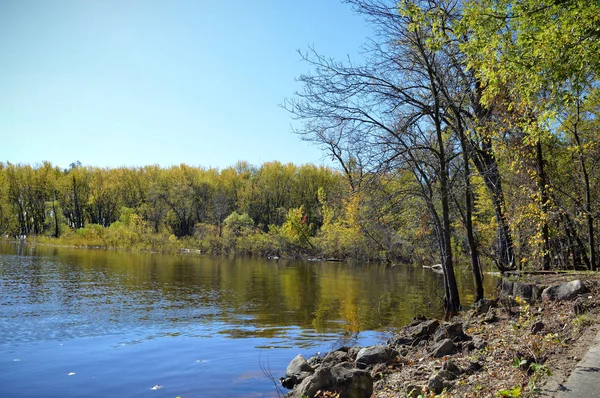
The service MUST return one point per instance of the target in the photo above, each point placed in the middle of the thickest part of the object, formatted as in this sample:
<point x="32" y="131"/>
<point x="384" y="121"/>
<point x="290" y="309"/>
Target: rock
<point x="424" y="330"/>
<point x="290" y="382"/>
<point x="537" y="327"/>
<point x="435" y="384"/>
<point x="483" y="306"/>
<point x="479" y="343"/>
<point x="353" y="351"/>
<point x="564" y="291"/>
<point x="450" y="366"/>
<point x="403" y="340"/>
<point x="297" y="366"/>
<point x="315" y="361"/>
<point x="352" y="383"/>
<point x="452" y="331"/>
<point x="322" y="379"/>
<point x="374" y="354"/>
<point x="446" y="375"/>
<point x="414" y="390"/>
<point x="473" y="367"/>
<point x="335" y="357"/>
<point x="443" y="348"/>
<point x="526" y="291"/>
<point x="491" y="316"/>
<point x="347" y="381"/>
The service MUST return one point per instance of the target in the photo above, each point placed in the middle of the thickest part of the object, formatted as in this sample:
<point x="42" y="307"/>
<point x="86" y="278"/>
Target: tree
<point x="537" y="56"/>
<point x="389" y="113"/>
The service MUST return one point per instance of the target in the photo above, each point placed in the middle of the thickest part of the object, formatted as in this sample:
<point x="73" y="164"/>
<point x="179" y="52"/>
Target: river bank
<point x="506" y="347"/>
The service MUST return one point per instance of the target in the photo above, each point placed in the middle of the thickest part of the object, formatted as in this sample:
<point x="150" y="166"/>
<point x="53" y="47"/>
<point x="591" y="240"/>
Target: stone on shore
<point x="443" y="348"/>
<point x="298" y="365"/>
<point x="374" y="354"/>
<point x="564" y="291"/>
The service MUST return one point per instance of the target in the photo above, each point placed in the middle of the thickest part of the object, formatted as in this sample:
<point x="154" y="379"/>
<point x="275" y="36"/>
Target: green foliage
<point x="514" y="392"/>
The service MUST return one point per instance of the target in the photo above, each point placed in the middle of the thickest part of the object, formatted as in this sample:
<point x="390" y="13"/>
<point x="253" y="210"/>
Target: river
<point x="94" y="323"/>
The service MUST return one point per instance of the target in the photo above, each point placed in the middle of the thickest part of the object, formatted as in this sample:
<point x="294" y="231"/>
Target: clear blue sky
<point x="129" y="83"/>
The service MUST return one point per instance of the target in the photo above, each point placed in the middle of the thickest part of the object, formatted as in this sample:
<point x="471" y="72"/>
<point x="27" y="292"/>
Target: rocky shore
<point x="503" y="347"/>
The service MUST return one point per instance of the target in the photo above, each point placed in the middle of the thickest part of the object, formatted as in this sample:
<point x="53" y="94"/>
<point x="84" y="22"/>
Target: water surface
<point x="93" y="323"/>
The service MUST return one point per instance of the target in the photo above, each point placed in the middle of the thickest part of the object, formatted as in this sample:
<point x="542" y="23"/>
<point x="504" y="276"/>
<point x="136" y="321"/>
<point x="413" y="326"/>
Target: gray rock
<point x="297" y="366"/>
<point x="473" y="367"/>
<point x="424" y="329"/>
<point x="479" y="343"/>
<point x="450" y="366"/>
<point x="335" y="357"/>
<point x="413" y="390"/>
<point x="443" y="348"/>
<point x="374" y="354"/>
<point x="352" y="383"/>
<point x="353" y="351"/>
<point x="435" y="384"/>
<point x="452" y="331"/>
<point x="491" y="316"/>
<point x="523" y="290"/>
<point x="315" y="361"/>
<point x="290" y="382"/>
<point x="322" y="379"/>
<point x="446" y="375"/>
<point x="484" y="305"/>
<point x="564" y="291"/>
<point x="527" y="291"/>
<point x="403" y="340"/>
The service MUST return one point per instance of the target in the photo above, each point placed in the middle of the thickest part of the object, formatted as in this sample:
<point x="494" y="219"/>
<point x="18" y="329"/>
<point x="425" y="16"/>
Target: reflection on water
<point x="194" y="325"/>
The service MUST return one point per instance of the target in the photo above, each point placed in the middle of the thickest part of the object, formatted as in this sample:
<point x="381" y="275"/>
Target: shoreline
<point x="507" y="347"/>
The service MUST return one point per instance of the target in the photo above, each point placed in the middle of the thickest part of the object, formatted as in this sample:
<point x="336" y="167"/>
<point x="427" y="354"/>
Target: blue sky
<point x="129" y="83"/>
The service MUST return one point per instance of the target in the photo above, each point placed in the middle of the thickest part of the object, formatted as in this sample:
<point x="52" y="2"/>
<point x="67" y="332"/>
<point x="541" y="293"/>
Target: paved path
<point x="585" y="379"/>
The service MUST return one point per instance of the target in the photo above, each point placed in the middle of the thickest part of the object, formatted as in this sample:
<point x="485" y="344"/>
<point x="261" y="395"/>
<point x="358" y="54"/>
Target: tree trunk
<point x="486" y="166"/>
<point x="544" y="205"/>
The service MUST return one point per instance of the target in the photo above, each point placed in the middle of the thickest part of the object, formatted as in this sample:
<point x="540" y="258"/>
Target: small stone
<point x="473" y="367"/>
<point x="479" y="343"/>
<point x="491" y="316"/>
<point x="335" y="357"/>
<point x="537" y="327"/>
<point x="424" y="329"/>
<point x="446" y="375"/>
<point x="450" y="366"/>
<point x="435" y="384"/>
<point x="452" y="331"/>
<point x="443" y="348"/>
<point x="353" y="351"/>
<point x="413" y="390"/>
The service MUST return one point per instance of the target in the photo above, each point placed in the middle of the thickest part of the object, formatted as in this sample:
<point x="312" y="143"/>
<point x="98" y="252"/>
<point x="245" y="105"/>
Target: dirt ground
<point x="521" y="349"/>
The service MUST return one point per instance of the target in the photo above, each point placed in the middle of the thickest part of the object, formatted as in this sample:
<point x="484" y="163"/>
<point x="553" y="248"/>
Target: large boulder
<point x="526" y="291"/>
<point x="343" y="379"/>
<point x="322" y="379"/>
<point x="373" y="355"/>
<point x="564" y="291"/>
<point x="298" y="365"/>
<point x="352" y="383"/>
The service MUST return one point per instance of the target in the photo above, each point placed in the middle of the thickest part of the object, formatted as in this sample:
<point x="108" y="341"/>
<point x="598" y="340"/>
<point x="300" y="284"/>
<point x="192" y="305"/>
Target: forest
<point x="469" y="132"/>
